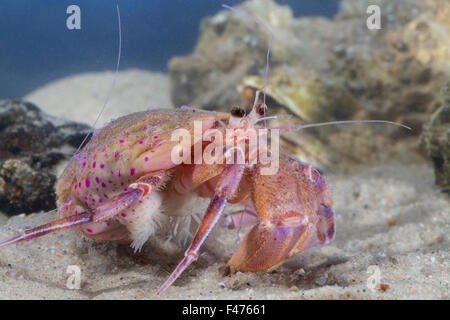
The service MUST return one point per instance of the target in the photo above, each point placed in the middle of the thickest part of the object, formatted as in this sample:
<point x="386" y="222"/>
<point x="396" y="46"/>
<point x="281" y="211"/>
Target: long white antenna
<point x="321" y="124"/>
<point x="266" y="73"/>
<point x="113" y="83"/>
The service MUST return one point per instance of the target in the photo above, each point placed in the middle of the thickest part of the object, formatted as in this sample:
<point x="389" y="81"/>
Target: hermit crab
<point x="115" y="187"/>
<point x="132" y="176"/>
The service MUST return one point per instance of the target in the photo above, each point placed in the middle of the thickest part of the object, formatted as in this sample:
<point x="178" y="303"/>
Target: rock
<point x="32" y="143"/>
<point x="230" y="47"/>
<point x="436" y="140"/>
<point x="24" y="188"/>
<point x="324" y="70"/>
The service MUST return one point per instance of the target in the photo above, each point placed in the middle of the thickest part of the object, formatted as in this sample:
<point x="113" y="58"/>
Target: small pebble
<point x="384" y="286"/>
<point x="391" y="222"/>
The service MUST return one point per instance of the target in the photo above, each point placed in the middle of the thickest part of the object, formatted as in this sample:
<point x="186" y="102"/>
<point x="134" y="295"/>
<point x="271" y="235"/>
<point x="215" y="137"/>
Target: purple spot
<point x="155" y="137"/>
<point x="97" y="180"/>
<point x="146" y="159"/>
<point x="100" y="200"/>
<point x="123" y="215"/>
<point x="89" y="230"/>
<point x="122" y="141"/>
<point x="132" y="171"/>
<point x="79" y="184"/>
<point x="103" y="185"/>
<point x="109" y="181"/>
<point x="116" y="154"/>
<point x="105" y="195"/>
<point x="94" y="164"/>
<point x="104" y="149"/>
<point x="141" y="142"/>
<point x="152" y="150"/>
<point x="87" y="182"/>
<point x="84" y="164"/>
<point x="102" y="165"/>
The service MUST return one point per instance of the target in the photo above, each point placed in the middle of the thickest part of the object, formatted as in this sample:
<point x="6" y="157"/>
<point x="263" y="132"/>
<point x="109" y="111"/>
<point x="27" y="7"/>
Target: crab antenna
<point x="321" y="124"/>
<point x="113" y="83"/>
<point x="266" y="73"/>
<point x="279" y="117"/>
<point x="258" y="92"/>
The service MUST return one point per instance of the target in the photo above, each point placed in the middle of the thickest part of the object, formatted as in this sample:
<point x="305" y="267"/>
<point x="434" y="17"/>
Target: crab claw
<point x="265" y="247"/>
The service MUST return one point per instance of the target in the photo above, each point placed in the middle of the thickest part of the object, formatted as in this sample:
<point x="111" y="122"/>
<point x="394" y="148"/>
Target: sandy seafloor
<point x="391" y="216"/>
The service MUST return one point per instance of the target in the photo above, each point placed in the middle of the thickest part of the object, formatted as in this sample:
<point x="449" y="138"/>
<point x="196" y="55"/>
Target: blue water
<point x="36" y="47"/>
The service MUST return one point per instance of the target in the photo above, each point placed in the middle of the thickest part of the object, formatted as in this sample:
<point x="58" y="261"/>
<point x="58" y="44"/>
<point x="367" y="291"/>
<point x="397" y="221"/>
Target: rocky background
<point x="324" y="70"/>
<point x="32" y="143"/>
<point x="435" y="140"/>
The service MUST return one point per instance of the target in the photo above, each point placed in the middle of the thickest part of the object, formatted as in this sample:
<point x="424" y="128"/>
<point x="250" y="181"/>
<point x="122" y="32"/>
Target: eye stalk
<point x="238" y="112"/>
<point x="261" y="109"/>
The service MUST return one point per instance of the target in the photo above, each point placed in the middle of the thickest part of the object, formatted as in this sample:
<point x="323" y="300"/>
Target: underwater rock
<point x="31" y="144"/>
<point x="320" y="68"/>
<point x="230" y="47"/>
<point x="436" y="140"/>
<point x="324" y="70"/>
<point x="25" y="188"/>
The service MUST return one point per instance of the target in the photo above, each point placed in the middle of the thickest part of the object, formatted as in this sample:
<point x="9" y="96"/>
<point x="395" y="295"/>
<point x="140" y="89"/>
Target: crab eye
<point x="261" y="109"/>
<point x="238" y="112"/>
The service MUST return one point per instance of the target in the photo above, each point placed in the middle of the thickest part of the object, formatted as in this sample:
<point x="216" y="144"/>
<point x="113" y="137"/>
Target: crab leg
<point x="108" y="209"/>
<point x="101" y="213"/>
<point x="326" y="228"/>
<point x="225" y="189"/>
<point x="52" y="227"/>
<point x="240" y="219"/>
